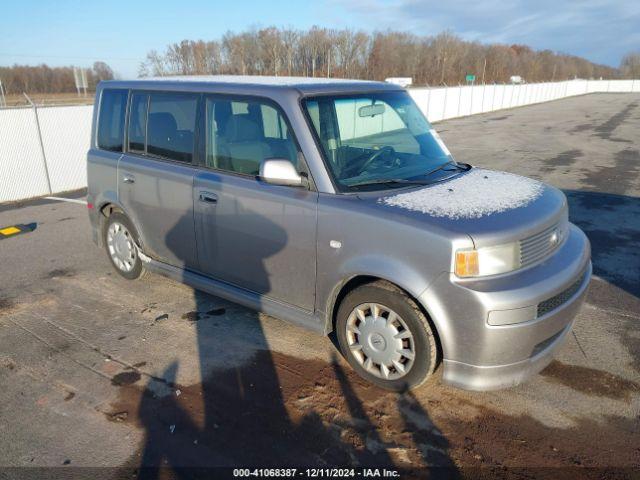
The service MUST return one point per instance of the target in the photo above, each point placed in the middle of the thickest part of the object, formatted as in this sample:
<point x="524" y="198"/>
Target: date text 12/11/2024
<point x="316" y="473"/>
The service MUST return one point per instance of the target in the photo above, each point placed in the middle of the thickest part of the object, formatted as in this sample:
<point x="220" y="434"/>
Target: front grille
<point x="539" y="246"/>
<point x="559" y="299"/>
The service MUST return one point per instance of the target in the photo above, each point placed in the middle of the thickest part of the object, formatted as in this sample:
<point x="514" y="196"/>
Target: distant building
<point x="404" y="82"/>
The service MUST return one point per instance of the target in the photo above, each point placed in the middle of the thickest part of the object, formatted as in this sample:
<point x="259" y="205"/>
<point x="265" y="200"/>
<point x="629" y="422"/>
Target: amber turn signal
<point x="467" y="263"/>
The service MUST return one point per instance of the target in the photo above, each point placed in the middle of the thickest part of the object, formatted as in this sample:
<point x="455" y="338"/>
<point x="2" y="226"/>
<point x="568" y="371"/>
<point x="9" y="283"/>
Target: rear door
<point x="155" y="175"/>
<point x="251" y="234"/>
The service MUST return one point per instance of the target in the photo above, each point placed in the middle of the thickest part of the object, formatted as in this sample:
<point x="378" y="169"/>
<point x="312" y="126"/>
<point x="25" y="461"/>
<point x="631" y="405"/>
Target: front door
<point x="251" y="234"/>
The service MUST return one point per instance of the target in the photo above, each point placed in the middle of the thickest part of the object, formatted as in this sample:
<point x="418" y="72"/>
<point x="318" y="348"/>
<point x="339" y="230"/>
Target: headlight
<point x="488" y="260"/>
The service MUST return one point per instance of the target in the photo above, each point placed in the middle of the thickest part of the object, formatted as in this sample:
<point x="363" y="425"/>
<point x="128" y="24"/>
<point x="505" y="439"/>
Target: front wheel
<point x="121" y="246"/>
<point x="385" y="337"/>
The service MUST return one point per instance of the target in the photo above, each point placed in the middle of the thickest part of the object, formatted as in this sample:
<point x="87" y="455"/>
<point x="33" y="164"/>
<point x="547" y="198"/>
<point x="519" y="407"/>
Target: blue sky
<point x="121" y="32"/>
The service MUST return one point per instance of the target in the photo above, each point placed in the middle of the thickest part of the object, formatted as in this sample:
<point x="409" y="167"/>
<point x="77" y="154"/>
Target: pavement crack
<point x="579" y="345"/>
<point x="60" y="351"/>
<point x="107" y="356"/>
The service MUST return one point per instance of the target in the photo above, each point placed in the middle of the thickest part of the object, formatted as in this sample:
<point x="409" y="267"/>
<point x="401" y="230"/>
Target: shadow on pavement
<point x="611" y="223"/>
<point x="272" y="411"/>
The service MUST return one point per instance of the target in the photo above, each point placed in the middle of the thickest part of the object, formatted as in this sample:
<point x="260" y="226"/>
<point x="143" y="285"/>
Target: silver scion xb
<point x="335" y="205"/>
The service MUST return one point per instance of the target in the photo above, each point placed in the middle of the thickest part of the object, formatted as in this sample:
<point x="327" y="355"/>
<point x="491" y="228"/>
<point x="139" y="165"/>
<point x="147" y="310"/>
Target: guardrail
<point x="43" y="148"/>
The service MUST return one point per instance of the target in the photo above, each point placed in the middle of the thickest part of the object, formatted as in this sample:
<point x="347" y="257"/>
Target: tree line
<point x="630" y="65"/>
<point x="46" y="79"/>
<point x="430" y="60"/>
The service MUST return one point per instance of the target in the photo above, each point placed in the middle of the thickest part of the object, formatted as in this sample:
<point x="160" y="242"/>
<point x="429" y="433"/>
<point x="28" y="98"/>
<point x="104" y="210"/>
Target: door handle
<point x="129" y="179"/>
<point x="208" y="197"/>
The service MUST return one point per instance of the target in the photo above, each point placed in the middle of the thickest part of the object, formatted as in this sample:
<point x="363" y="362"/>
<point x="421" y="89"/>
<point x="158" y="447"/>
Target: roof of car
<point x="305" y="85"/>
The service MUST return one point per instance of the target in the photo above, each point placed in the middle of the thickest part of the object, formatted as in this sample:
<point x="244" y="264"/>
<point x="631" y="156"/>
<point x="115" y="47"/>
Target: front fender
<point x="404" y="276"/>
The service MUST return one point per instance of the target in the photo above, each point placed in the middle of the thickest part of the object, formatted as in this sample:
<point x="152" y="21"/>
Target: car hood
<point x="491" y="207"/>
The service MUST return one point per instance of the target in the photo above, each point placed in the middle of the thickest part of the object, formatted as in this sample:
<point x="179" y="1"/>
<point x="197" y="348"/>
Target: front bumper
<point x="480" y="356"/>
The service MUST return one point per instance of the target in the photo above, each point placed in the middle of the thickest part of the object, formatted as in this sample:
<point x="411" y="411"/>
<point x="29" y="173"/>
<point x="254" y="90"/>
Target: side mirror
<point x="280" y="171"/>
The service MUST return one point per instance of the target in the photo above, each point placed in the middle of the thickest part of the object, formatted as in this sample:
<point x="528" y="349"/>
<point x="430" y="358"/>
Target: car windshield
<point x="377" y="140"/>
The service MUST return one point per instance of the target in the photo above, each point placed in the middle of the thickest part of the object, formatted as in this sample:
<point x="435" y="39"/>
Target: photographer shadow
<point x="238" y="416"/>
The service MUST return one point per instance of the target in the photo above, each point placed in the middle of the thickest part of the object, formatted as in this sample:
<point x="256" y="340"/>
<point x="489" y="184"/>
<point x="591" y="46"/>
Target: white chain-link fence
<point x="43" y="149"/>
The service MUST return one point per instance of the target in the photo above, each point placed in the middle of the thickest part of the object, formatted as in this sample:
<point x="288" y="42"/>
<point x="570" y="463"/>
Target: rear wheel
<point x="120" y="243"/>
<point x="385" y="337"/>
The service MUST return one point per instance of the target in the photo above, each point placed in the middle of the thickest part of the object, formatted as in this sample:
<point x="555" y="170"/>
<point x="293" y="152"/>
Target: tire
<point x="379" y="342"/>
<point x="120" y="241"/>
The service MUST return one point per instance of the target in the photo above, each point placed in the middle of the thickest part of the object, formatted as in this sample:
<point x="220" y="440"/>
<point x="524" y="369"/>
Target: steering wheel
<point x="372" y="158"/>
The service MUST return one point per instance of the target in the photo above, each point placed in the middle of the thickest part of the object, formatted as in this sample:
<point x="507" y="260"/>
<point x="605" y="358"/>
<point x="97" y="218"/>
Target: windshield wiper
<point x="389" y="180"/>
<point x="459" y="166"/>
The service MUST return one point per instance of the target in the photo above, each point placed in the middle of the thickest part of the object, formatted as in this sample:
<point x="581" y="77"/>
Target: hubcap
<point x="121" y="247"/>
<point x="380" y="341"/>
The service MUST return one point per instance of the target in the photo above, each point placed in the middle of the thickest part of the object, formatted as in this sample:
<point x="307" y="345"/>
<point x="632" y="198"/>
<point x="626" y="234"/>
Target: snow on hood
<point x="472" y="195"/>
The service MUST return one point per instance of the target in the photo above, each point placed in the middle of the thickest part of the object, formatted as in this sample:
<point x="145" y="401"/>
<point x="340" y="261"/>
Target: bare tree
<point x="272" y="49"/>
<point x="630" y="65"/>
<point x="102" y="71"/>
<point x="351" y="53"/>
<point x="154" y="65"/>
<point x="290" y="42"/>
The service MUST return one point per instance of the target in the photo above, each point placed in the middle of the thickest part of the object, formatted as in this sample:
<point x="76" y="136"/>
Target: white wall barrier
<point x="442" y="103"/>
<point x="43" y="150"/>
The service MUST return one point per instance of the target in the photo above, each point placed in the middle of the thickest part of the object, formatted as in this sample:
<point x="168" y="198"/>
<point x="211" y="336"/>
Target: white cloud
<point x="600" y="30"/>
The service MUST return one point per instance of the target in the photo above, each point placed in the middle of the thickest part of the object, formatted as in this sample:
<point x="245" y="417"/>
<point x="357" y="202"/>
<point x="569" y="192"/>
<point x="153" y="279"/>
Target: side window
<point x="138" y="122"/>
<point x="241" y="134"/>
<point x="113" y="104"/>
<point x="171" y="124"/>
<point x="273" y="123"/>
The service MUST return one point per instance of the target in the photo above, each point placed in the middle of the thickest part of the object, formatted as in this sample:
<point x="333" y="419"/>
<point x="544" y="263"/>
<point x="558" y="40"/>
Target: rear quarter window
<point x="138" y="122"/>
<point x="113" y="106"/>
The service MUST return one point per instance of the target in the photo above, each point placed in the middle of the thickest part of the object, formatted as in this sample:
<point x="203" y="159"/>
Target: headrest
<point x="241" y="128"/>
<point x="162" y="125"/>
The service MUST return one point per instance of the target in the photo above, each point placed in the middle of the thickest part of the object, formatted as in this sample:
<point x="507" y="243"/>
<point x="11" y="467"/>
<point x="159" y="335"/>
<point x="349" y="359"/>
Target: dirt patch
<point x="191" y="316"/>
<point x="196" y="316"/>
<point x="619" y="178"/>
<point x="60" y="272"/>
<point x="118" y="416"/>
<point x="497" y="119"/>
<point x="606" y="129"/>
<point x="125" y="378"/>
<point x="159" y="318"/>
<point x="5" y="305"/>
<point x="281" y="410"/>
<point x="7" y="363"/>
<point x="591" y="381"/>
<point x="564" y="159"/>
<point x="581" y="128"/>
